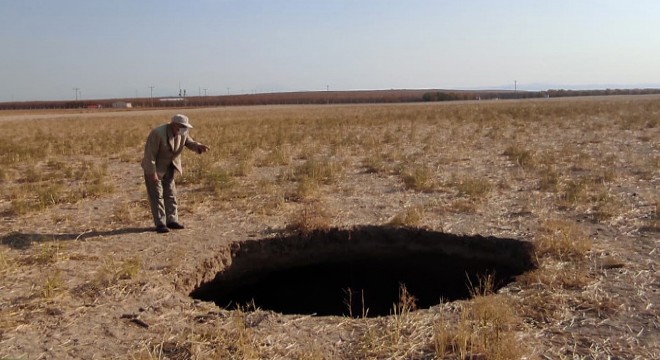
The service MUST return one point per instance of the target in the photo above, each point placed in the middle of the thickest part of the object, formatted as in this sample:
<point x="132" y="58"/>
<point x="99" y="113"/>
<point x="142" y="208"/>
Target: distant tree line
<point x="292" y="98"/>
<point x="494" y="94"/>
<point x="564" y="93"/>
<point x="320" y="97"/>
<point x="481" y="95"/>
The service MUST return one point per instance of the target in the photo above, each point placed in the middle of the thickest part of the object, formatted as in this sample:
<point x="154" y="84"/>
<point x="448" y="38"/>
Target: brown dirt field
<point x="87" y="278"/>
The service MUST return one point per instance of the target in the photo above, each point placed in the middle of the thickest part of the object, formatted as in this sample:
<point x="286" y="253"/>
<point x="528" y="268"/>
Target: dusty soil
<point x="99" y="308"/>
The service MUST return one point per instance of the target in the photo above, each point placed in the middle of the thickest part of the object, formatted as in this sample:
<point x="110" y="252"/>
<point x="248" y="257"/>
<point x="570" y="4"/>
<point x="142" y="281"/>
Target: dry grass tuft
<point x="43" y="187"/>
<point x="242" y="343"/>
<point x="375" y="163"/>
<point x="548" y="180"/>
<point x="485" y="285"/>
<point x="232" y="338"/>
<point x="52" y="285"/>
<point x="575" y="192"/>
<point x="521" y="156"/>
<point x="323" y="172"/>
<point x="121" y="214"/>
<point x="566" y="276"/>
<point x="655" y="216"/>
<point x="419" y="178"/>
<point x="494" y="321"/>
<point x="473" y="188"/>
<point x="217" y="180"/>
<point x="6" y="261"/>
<point x="111" y="272"/>
<point x="163" y="350"/>
<point x="607" y="206"/>
<point x="486" y="329"/>
<point x="562" y="240"/>
<point x="307" y="189"/>
<point x="49" y="253"/>
<point x="411" y="216"/>
<point x="280" y="155"/>
<point x="400" y="335"/>
<point x="463" y="206"/>
<point x="312" y="217"/>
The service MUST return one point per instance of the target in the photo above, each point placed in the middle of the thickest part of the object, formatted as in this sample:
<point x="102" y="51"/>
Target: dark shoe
<point x="175" y="225"/>
<point x="161" y="229"/>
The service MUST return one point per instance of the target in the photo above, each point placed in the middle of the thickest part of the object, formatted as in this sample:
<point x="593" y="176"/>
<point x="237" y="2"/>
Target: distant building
<point x="121" y="105"/>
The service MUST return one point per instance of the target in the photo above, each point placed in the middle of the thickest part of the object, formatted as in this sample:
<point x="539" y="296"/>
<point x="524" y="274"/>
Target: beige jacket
<point x="163" y="148"/>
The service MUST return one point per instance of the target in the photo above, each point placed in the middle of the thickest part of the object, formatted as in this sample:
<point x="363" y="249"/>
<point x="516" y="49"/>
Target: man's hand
<point x="154" y="178"/>
<point x="202" y="149"/>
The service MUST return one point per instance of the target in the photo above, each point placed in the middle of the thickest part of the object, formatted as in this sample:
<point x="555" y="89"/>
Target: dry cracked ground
<point x="415" y="191"/>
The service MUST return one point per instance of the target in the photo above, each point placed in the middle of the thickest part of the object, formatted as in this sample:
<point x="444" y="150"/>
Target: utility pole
<point x="76" y="89"/>
<point x="204" y="91"/>
<point x="151" y="94"/>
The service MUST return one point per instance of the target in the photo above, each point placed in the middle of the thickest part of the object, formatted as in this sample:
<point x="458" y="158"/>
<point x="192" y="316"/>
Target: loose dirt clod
<point x="359" y="271"/>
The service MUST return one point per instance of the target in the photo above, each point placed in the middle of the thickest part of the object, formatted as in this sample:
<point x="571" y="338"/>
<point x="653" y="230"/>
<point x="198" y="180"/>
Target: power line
<point x="151" y="94"/>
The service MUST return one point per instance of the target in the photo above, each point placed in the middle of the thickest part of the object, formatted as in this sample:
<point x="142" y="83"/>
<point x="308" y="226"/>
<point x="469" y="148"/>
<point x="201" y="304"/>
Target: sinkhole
<point x="360" y="271"/>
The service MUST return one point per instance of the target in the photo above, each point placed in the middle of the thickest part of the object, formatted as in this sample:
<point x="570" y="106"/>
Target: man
<point x="162" y="157"/>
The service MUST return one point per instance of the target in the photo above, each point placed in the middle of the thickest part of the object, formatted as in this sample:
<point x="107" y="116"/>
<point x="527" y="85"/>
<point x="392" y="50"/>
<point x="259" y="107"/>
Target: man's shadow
<point x="21" y="241"/>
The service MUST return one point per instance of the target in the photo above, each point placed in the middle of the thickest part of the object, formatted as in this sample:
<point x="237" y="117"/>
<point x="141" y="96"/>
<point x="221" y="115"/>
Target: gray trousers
<point x="162" y="198"/>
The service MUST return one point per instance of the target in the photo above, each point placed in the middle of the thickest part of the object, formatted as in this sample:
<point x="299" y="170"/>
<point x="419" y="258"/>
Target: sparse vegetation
<point x="412" y="216"/>
<point x="520" y="156"/>
<point x="6" y="262"/>
<point x="52" y="285"/>
<point x="475" y="189"/>
<point x="311" y="218"/>
<point x="49" y="253"/>
<point x="577" y="178"/>
<point x="419" y="178"/>
<point x="562" y="240"/>
<point x="486" y="329"/>
<point x="548" y="180"/>
<point x="321" y="172"/>
<point x="113" y="271"/>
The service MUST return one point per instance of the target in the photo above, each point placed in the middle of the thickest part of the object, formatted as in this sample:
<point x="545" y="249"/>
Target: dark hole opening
<point x="360" y="271"/>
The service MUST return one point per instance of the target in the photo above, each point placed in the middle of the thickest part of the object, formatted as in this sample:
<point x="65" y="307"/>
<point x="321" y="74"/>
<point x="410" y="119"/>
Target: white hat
<point x="181" y="120"/>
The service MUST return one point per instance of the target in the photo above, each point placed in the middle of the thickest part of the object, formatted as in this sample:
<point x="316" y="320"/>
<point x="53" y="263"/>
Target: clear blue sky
<point x="119" y="48"/>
